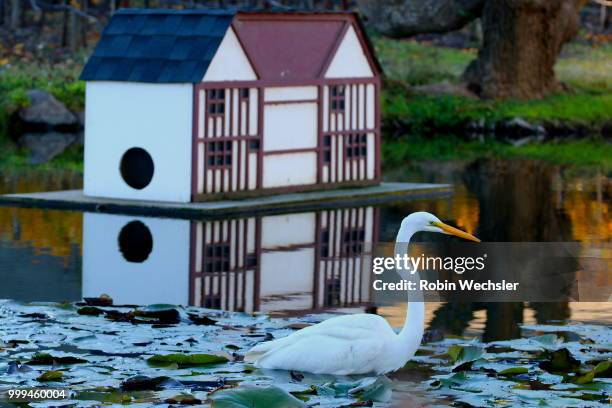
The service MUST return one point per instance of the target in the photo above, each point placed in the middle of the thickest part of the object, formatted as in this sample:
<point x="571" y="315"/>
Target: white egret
<point x="359" y="343"/>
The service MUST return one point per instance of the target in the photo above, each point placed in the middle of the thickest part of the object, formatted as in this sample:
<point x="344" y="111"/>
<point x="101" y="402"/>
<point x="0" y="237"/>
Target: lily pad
<point x="462" y="354"/>
<point x="255" y="397"/>
<point x="141" y="383"/>
<point x="202" y="320"/>
<point x="52" y="375"/>
<point x="48" y="359"/>
<point x="559" y="361"/>
<point x="90" y="311"/>
<point x="514" y="371"/>
<point x="184" y="399"/>
<point x="186" y="360"/>
<point x="103" y="300"/>
<point x="601" y="369"/>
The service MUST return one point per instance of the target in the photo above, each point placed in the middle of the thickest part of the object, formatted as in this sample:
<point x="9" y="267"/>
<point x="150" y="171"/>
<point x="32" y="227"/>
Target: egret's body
<point x="355" y="344"/>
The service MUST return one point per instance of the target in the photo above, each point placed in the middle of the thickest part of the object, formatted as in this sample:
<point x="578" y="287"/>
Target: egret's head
<point x="424" y="221"/>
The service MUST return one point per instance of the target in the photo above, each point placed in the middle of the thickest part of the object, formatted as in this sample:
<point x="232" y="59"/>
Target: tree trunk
<point x="83" y="25"/>
<point x="521" y="38"/>
<point x="521" y="42"/>
<point x="64" y="25"/>
<point x="15" y="17"/>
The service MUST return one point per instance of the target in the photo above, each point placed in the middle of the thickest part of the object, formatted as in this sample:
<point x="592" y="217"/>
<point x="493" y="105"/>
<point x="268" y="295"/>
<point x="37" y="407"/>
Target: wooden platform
<point x="75" y="200"/>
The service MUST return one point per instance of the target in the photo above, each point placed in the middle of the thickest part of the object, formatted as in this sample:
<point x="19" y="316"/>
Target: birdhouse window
<point x="325" y="243"/>
<point x="212" y="302"/>
<point x="251" y="261"/>
<point x="333" y="287"/>
<point x="338" y="98"/>
<point x="356" y="146"/>
<point x="327" y="149"/>
<point x="254" y="145"/>
<point x="352" y="241"/>
<point x="216" y="102"/>
<point x="244" y="94"/>
<point x="217" y="257"/>
<point x="219" y="154"/>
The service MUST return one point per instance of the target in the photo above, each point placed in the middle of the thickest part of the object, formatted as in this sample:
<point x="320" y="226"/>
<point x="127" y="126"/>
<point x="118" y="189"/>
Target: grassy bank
<point x="584" y="68"/>
<point x="58" y="79"/>
<point x="583" y="153"/>
<point x="61" y="80"/>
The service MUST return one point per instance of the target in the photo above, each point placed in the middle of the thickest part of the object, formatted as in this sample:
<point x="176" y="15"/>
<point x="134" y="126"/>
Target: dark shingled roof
<point x="157" y="45"/>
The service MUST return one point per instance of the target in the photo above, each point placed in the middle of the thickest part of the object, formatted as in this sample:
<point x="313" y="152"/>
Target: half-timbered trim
<point x="343" y="259"/>
<point x="225" y="264"/>
<point x="289" y="151"/>
<point x="230" y="260"/>
<point x="349" y="130"/>
<point x="226" y="138"/>
<point x="348" y="127"/>
<point x="290" y="101"/>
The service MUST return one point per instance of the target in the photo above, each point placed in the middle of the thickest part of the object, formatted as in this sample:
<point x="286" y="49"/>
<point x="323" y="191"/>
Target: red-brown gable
<point x="291" y="47"/>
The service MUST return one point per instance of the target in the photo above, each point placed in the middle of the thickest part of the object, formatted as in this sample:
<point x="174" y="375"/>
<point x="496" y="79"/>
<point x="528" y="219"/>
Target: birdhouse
<point x="195" y="105"/>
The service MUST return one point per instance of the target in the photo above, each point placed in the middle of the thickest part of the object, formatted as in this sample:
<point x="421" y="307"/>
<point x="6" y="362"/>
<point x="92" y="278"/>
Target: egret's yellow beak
<point x="454" y="231"/>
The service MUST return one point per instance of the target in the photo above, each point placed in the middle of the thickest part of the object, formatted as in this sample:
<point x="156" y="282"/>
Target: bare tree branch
<point x="66" y="7"/>
<point x="35" y="7"/>
<point x="405" y="18"/>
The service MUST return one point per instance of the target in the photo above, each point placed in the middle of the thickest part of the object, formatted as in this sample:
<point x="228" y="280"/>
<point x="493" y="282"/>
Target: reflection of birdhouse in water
<point x="191" y="105"/>
<point x="287" y="262"/>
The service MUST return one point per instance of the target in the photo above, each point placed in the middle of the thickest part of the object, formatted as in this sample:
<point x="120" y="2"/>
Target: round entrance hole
<point x="135" y="242"/>
<point x="137" y="168"/>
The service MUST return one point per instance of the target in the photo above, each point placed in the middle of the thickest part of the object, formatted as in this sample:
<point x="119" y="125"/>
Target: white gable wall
<point x="350" y="60"/>
<point x="155" y="117"/>
<point x="230" y="63"/>
<point x="289" y="126"/>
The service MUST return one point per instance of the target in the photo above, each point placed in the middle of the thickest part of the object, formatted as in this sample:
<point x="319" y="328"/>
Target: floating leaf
<point x="559" y="361"/>
<point x="547" y="339"/>
<point x="141" y="383"/>
<point x="514" y="371"/>
<point x="52" y="375"/>
<point x="601" y="369"/>
<point x="103" y="300"/>
<point x="584" y="379"/>
<point x="254" y="397"/>
<point x="304" y="395"/>
<point x="186" y="360"/>
<point x="113" y="396"/>
<point x="48" y="359"/>
<point x="90" y="311"/>
<point x="462" y="354"/>
<point x="160" y="314"/>
<point x="379" y="391"/>
<point x="453" y="380"/>
<point x="202" y="320"/>
<point x="184" y="399"/>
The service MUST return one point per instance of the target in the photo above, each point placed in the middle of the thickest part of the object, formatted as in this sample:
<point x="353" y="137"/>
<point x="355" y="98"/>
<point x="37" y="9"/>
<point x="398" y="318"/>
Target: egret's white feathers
<point x="354" y="344"/>
<point x="341" y="345"/>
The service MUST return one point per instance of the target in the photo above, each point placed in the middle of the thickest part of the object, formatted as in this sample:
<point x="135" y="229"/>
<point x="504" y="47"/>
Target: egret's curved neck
<point x="414" y="325"/>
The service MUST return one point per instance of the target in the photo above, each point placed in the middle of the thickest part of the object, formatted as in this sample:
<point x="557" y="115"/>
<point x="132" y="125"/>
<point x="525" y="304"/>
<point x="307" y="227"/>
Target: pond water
<point x="283" y="265"/>
<point x="63" y="256"/>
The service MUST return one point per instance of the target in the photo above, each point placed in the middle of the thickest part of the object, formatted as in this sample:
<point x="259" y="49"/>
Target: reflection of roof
<point x="172" y="46"/>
